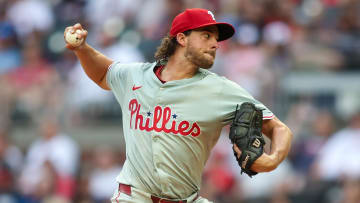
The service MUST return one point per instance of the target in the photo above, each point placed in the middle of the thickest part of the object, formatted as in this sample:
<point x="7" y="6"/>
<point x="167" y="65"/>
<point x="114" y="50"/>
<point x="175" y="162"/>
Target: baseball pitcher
<point x="174" y="109"/>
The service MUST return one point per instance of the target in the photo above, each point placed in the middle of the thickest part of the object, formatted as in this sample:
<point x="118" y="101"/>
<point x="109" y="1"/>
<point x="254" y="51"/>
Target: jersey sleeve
<point x="233" y="94"/>
<point x="118" y="79"/>
<point x="116" y="75"/>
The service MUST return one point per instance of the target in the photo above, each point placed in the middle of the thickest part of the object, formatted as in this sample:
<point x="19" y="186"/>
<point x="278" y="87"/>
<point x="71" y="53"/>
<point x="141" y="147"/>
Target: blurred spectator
<point x="218" y="178"/>
<point x="305" y="48"/>
<point x="10" y="59"/>
<point x="102" y="178"/>
<point x="6" y="101"/>
<point x="348" y="40"/>
<point x="111" y="15"/>
<point x="67" y="12"/>
<point x="157" y="17"/>
<point x="224" y="182"/>
<point x="350" y="191"/>
<point x="307" y="147"/>
<point x="8" y="194"/>
<point x="30" y="16"/>
<point x="298" y="117"/>
<point x="9" y="51"/>
<point x="10" y="154"/>
<point x="45" y="190"/>
<point x="277" y="37"/>
<point x="154" y="21"/>
<point x="339" y="156"/>
<point x="266" y="186"/>
<point x="252" y="11"/>
<point x="54" y="152"/>
<point x="66" y="65"/>
<point x="245" y="65"/>
<point x="36" y="85"/>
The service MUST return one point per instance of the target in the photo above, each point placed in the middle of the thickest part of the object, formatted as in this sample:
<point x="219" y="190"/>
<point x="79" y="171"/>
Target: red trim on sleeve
<point x="268" y="117"/>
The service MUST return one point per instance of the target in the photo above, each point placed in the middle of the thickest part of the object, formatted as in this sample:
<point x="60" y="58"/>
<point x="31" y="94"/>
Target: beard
<point x="201" y="59"/>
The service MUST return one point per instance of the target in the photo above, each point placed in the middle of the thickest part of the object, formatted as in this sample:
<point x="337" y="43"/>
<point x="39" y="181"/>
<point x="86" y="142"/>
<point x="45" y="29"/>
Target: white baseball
<point x="74" y="38"/>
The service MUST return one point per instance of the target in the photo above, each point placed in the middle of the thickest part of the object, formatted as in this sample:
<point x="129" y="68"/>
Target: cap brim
<point x="226" y="30"/>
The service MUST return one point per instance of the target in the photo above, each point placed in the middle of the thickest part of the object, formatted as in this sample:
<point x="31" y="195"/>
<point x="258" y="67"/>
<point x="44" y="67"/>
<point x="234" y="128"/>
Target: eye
<point x="207" y="35"/>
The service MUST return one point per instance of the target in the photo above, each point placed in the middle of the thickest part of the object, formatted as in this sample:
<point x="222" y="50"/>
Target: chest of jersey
<point x="176" y="109"/>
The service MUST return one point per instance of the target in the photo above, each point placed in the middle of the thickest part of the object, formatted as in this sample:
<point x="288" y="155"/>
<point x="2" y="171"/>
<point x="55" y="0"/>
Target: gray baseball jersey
<point x="170" y="128"/>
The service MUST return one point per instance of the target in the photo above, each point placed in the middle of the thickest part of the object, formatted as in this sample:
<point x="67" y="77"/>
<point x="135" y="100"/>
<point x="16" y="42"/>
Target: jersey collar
<point x="198" y="76"/>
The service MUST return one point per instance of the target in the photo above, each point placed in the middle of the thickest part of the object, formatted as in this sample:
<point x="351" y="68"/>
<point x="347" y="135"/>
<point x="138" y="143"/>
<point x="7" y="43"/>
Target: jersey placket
<point x="156" y="146"/>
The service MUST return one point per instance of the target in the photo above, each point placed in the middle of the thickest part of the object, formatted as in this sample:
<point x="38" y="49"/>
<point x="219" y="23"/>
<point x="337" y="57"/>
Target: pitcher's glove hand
<point x="245" y="133"/>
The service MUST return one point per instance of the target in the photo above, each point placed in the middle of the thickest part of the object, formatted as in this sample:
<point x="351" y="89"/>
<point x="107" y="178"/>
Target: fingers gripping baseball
<point x="75" y="36"/>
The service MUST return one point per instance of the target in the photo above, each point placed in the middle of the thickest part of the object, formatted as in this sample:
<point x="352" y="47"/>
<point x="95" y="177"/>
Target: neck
<point x="178" y="67"/>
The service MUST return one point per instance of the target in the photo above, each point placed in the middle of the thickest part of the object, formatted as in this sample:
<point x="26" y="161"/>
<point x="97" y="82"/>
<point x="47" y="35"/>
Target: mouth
<point x="211" y="53"/>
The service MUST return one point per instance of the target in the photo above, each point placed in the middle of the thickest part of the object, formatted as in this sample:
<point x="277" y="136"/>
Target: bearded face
<point x="200" y="57"/>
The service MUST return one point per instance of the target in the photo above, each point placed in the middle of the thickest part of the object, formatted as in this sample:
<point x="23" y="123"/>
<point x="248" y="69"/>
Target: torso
<point x="170" y="128"/>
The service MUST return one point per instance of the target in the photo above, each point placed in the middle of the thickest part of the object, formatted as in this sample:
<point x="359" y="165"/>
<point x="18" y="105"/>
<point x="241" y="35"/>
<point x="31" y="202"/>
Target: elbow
<point x="286" y="130"/>
<point x="103" y="83"/>
<point x="105" y="88"/>
<point x="291" y="136"/>
<point x="286" y="140"/>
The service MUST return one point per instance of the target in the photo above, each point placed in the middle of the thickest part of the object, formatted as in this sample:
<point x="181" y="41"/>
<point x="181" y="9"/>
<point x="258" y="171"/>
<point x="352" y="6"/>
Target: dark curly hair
<point x="168" y="46"/>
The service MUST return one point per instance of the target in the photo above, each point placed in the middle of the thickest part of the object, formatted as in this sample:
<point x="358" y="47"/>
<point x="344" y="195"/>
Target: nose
<point x="215" y="44"/>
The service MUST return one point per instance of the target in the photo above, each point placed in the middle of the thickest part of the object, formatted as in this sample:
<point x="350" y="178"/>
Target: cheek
<point x="191" y="48"/>
<point x="195" y="44"/>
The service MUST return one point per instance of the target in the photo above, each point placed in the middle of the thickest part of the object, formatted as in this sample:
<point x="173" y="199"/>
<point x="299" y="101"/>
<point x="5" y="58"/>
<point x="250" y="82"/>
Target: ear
<point x="181" y="38"/>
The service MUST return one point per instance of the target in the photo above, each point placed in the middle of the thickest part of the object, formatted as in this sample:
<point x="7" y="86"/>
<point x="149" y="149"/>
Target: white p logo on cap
<point x="212" y="15"/>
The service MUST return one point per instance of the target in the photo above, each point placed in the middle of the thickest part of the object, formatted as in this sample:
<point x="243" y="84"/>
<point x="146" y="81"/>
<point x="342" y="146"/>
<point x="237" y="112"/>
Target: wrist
<point x="80" y="48"/>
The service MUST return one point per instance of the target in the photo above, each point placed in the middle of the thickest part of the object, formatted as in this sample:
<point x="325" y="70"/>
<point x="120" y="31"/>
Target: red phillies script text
<point x="182" y="128"/>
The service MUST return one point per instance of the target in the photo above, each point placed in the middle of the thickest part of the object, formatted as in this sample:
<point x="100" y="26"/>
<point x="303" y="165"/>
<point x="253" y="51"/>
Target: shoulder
<point x="212" y="76"/>
<point x="131" y="66"/>
<point x="221" y="82"/>
<point x="123" y="70"/>
<point x="225" y="82"/>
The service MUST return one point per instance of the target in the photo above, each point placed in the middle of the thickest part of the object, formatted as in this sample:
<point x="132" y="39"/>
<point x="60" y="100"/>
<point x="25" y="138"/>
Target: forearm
<point x="94" y="63"/>
<point x="281" y="137"/>
<point x="280" y="144"/>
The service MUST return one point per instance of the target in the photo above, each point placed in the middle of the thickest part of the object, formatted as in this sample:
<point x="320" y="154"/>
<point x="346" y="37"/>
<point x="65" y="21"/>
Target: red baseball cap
<point x="196" y="18"/>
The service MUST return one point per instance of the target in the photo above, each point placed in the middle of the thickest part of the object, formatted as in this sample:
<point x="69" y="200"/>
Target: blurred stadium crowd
<point x="44" y="90"/>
